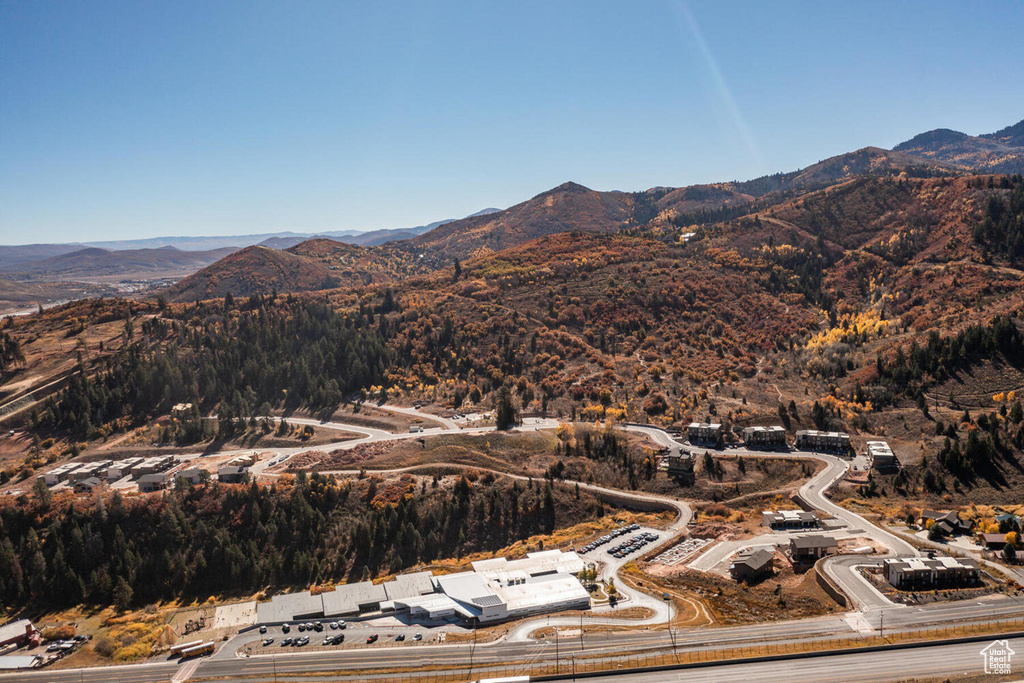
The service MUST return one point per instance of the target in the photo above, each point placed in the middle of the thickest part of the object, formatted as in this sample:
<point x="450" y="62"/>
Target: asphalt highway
<point x="864" y="667"/>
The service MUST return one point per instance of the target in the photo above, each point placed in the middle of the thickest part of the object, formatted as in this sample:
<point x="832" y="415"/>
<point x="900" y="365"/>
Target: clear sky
<point x="145" y="118"/>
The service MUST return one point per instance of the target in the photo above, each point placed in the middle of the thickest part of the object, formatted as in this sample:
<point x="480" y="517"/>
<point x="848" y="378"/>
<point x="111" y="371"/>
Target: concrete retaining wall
<point x="826" y="583"/>
<point x="628" y="503"/>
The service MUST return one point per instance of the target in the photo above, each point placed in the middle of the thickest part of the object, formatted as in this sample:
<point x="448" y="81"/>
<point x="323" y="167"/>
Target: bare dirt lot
<point x="529" y="453"/>
<point x="786" y="595"/>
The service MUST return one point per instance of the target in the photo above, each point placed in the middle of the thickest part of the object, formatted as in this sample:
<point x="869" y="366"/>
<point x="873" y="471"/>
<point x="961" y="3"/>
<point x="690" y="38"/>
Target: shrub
<point x="132" y="653"/>
<point x="62" y="632"/>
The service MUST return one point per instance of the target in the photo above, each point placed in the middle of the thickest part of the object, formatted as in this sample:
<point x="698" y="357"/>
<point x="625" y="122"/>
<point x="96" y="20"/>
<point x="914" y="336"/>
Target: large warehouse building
<point x="495" y="590"/>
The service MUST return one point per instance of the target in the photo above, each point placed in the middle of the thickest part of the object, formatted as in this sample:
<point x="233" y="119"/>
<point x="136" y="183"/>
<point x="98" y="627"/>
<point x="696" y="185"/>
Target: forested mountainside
<point x="237" y="539"/>
<point x="632" y="323"/>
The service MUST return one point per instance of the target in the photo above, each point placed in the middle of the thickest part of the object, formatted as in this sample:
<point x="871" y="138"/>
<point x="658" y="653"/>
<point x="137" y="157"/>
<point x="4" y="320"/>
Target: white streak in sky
<point x="722" y="88"/>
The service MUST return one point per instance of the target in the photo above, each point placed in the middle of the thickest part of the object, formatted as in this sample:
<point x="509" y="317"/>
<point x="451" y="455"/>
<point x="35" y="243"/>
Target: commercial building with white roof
<point x="495" y="590"/>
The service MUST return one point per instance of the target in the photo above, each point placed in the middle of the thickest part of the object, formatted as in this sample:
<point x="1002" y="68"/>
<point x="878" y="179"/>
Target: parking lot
<point x="331" y="633"/>
<point x="618" y="547"/>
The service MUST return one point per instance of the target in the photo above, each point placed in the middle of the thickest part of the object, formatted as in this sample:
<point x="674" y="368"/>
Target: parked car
<point x="286" y="641"/>
<point x="418" y="636"/>
<point x="263" y="629"/>
<point x="372" y="639"/>
<point x="302" y="627"/>
<point x="334" y="626"/>
<point x="400" y="637"/>
<point x="285" y="628"/>
<point x="268" y="641"/>
<point x="318" y="627"/>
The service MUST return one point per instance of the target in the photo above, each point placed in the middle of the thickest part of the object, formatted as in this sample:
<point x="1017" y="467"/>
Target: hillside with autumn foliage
<point x="805" y="298"/>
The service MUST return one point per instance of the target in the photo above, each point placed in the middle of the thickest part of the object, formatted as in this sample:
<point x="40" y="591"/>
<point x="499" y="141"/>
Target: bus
<point x="198" y="651"/>
<point x="181" y="647"/>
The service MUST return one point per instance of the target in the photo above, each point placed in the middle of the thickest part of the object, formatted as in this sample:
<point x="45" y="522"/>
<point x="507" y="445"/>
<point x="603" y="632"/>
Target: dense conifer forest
<point x="262" y="355"/>
<point x="236" y="539"/>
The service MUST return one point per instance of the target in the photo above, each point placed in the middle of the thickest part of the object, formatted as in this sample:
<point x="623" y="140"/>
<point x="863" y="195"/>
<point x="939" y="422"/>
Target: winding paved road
<point x="518" y="647"/>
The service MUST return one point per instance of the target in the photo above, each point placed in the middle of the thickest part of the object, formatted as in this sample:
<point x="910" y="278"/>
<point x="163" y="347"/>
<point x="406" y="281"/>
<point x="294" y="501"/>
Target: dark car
<point x="400" y="637"/>
<point x="372" y="639"/>
<point x="285" y="628"/>
<point x="317" y="626"/>
<point x="302" y="627"/>
<point x="263" y="629"/>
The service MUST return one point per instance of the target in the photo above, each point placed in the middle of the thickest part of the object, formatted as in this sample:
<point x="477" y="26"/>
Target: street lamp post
<point x="556" y="650"/>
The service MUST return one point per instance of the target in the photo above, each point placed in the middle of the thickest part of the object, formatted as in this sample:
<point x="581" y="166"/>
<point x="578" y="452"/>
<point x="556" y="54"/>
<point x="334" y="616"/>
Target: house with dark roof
<point x="752" y="566"/>
<point x="948" y="523"/>
<point x="88" y="485"/>
<point x="811" y="547"/>
<point x="993" y="541"/>
<point x="680" y="465"/>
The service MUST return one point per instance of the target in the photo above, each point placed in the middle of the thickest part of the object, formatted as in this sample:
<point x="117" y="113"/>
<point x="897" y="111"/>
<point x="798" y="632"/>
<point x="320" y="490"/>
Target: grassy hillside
<point x="253" y="270"/>
<point x="567" y="207"/>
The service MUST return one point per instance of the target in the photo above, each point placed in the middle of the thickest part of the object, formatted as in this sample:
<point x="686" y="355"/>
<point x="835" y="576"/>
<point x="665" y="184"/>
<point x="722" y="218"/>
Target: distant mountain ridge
<point x="999" y="152"/>
<point x="24" y="253"/>
<point x="96" y="262"/>
<point x="342" y="259"/>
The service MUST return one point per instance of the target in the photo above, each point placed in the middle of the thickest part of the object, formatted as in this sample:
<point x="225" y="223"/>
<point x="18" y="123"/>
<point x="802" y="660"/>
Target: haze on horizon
<point x="123" y="120"/>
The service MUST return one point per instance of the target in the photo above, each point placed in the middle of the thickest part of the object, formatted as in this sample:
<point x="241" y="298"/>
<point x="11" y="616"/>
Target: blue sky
<point x="144" y="118"/>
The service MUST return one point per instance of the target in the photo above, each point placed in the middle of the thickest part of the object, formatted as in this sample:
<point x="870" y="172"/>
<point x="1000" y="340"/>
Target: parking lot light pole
<point x="556" y="650"/>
